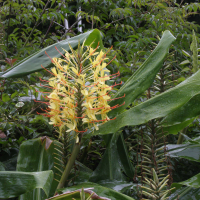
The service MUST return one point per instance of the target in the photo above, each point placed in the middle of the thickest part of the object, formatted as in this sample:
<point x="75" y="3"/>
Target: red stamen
<point x="79" y="117"/>
<point x="81" y="131"/>
<point x="102" y="120"/>
<point x="44" y="110"/>
<point x="116" y="84"/>
<point x="48" y="70"/>
<point x="58" y="124"/>
<point x="95" y="49"/>
<point x="42" y="102"/>
<point x="117" y="106"/>
<point x="111" y="60"/>
<point x="98" y="96"/>
<point x="117" y="74"/>
<point x="116" y="98"/>
<point x="43" y="79"/>
<point x="61" y="53"/>
<point x="41" y="91"/>
<point x="47" y="86"/>
<point x="49" y="57"/>
<point x="103" y="57"/>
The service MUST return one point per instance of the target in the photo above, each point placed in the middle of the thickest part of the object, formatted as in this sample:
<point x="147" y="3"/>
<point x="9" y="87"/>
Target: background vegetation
<point x="134" y="29"/>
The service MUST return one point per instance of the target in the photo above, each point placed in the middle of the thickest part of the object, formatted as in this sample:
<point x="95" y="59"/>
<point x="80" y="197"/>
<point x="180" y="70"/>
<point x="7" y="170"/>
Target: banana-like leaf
<point x="142" y="79"/>
<point x="109" y="167"/>
<point x="189" y="151"/>
<point x="33" y="62"/>
<point x="100" y="190"/>
<point x="186" y="193"/>
<point x="156" y="107"/>
<point x="174" y="129"/>
<point x="78" y="195"/>
<point x="13" y="184"/>
<point x="124" y="157"/>
<point x="38" y="155"/>
<point x="183" y="116"/>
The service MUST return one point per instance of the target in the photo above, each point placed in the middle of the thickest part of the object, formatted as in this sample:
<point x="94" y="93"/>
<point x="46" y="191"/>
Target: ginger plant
<point x="80" y="95"/>
<point x="155" y="166"/>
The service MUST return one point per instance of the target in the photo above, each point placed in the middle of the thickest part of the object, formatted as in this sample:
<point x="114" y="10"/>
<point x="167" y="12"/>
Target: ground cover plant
<point x="94" y="123"/>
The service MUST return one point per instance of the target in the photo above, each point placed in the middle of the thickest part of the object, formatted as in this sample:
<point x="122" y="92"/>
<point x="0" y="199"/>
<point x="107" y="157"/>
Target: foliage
<point x="134" y="29"/>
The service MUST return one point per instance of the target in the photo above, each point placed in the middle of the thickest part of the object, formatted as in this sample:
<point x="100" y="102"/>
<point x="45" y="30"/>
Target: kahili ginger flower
<point x="80" y="95"/>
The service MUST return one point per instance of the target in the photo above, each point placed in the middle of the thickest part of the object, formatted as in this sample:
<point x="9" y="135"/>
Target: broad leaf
<point x="124" y="157"/>
<point x="156" y="107"/>
<point x="13" y="184"/>
<point x="174" y="129"/>
<point x="33" y="62"/>
<point x="190" y="150"/>
<point x="144" y="76"/>
<point x="100" y="190"/>
<point x="109" y="167"/>
<point x="186" y="193"/>
<point x="38" y="155"/>
<point x="183" y="116"/>
<point x="81" y="194"/>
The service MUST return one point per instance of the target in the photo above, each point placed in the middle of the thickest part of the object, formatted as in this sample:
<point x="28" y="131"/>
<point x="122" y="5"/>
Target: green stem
<point x="69" y="165"/>
<point x="180" y="137"/>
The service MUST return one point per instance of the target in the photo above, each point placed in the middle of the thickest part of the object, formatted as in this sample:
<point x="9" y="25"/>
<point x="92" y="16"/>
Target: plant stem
<point x="180" y="137"/>
<point x="69" y="165"/>
<point x="36" y="23"/>
<point x="47" y="31"/>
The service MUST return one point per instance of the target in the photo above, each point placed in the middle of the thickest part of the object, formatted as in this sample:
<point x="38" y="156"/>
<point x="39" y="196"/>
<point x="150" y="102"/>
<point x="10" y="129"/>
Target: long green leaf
<point x="109" y="167"/>
<point x="124" y="157"/>
<point x="189" y="192"/>
<point x="38" y="155"/>
<point x="185" y="193"/>
<point x="81" y="194"/>
<point x="183" y="116"/>
<point x="100" y="190"/>
<point x="33" y="62"/>
<point x="189" y="151"/>
<point x="144" y="76"/>
<point x="157" y="107"/>
<point x="13" y="184"/>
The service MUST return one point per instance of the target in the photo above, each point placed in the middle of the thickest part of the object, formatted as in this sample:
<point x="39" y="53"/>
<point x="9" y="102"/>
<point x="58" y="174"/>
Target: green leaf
<point x="183" y="115"/>
<point x="185" y="62"/>
<point x="156" y="107"/>
<point x="185" y="193"/>
<point x="189" y="151"/>
<point x="39" y="155"/>
<point x="144" y="76"/>
<point x="174" y="129"/>
<point x="5" y="97"/>
<point x="109" y="167"/>
<point x="80" y="194"/>
<point x="13" y="184"/>
<point x="124" y="157"/>
<point x="186" y="53"/>
<point x="100" y="190"/>
<point x="33" y="62"/>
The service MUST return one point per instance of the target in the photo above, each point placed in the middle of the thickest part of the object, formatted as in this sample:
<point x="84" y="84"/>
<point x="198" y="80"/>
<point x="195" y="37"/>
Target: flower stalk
<point x="80" y="96"/>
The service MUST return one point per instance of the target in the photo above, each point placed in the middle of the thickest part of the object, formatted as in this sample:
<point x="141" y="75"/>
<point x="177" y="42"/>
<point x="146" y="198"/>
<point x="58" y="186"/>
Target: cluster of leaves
<point x="133" y="28"/>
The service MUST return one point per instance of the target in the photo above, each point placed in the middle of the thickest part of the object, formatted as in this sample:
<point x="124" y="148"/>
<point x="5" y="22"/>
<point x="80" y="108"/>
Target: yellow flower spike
<point x="80" y="94"/>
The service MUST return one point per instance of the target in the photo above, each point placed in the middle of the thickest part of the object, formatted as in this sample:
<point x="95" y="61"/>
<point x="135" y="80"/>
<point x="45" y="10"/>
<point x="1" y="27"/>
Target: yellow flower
<point x="80" y="93"/>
